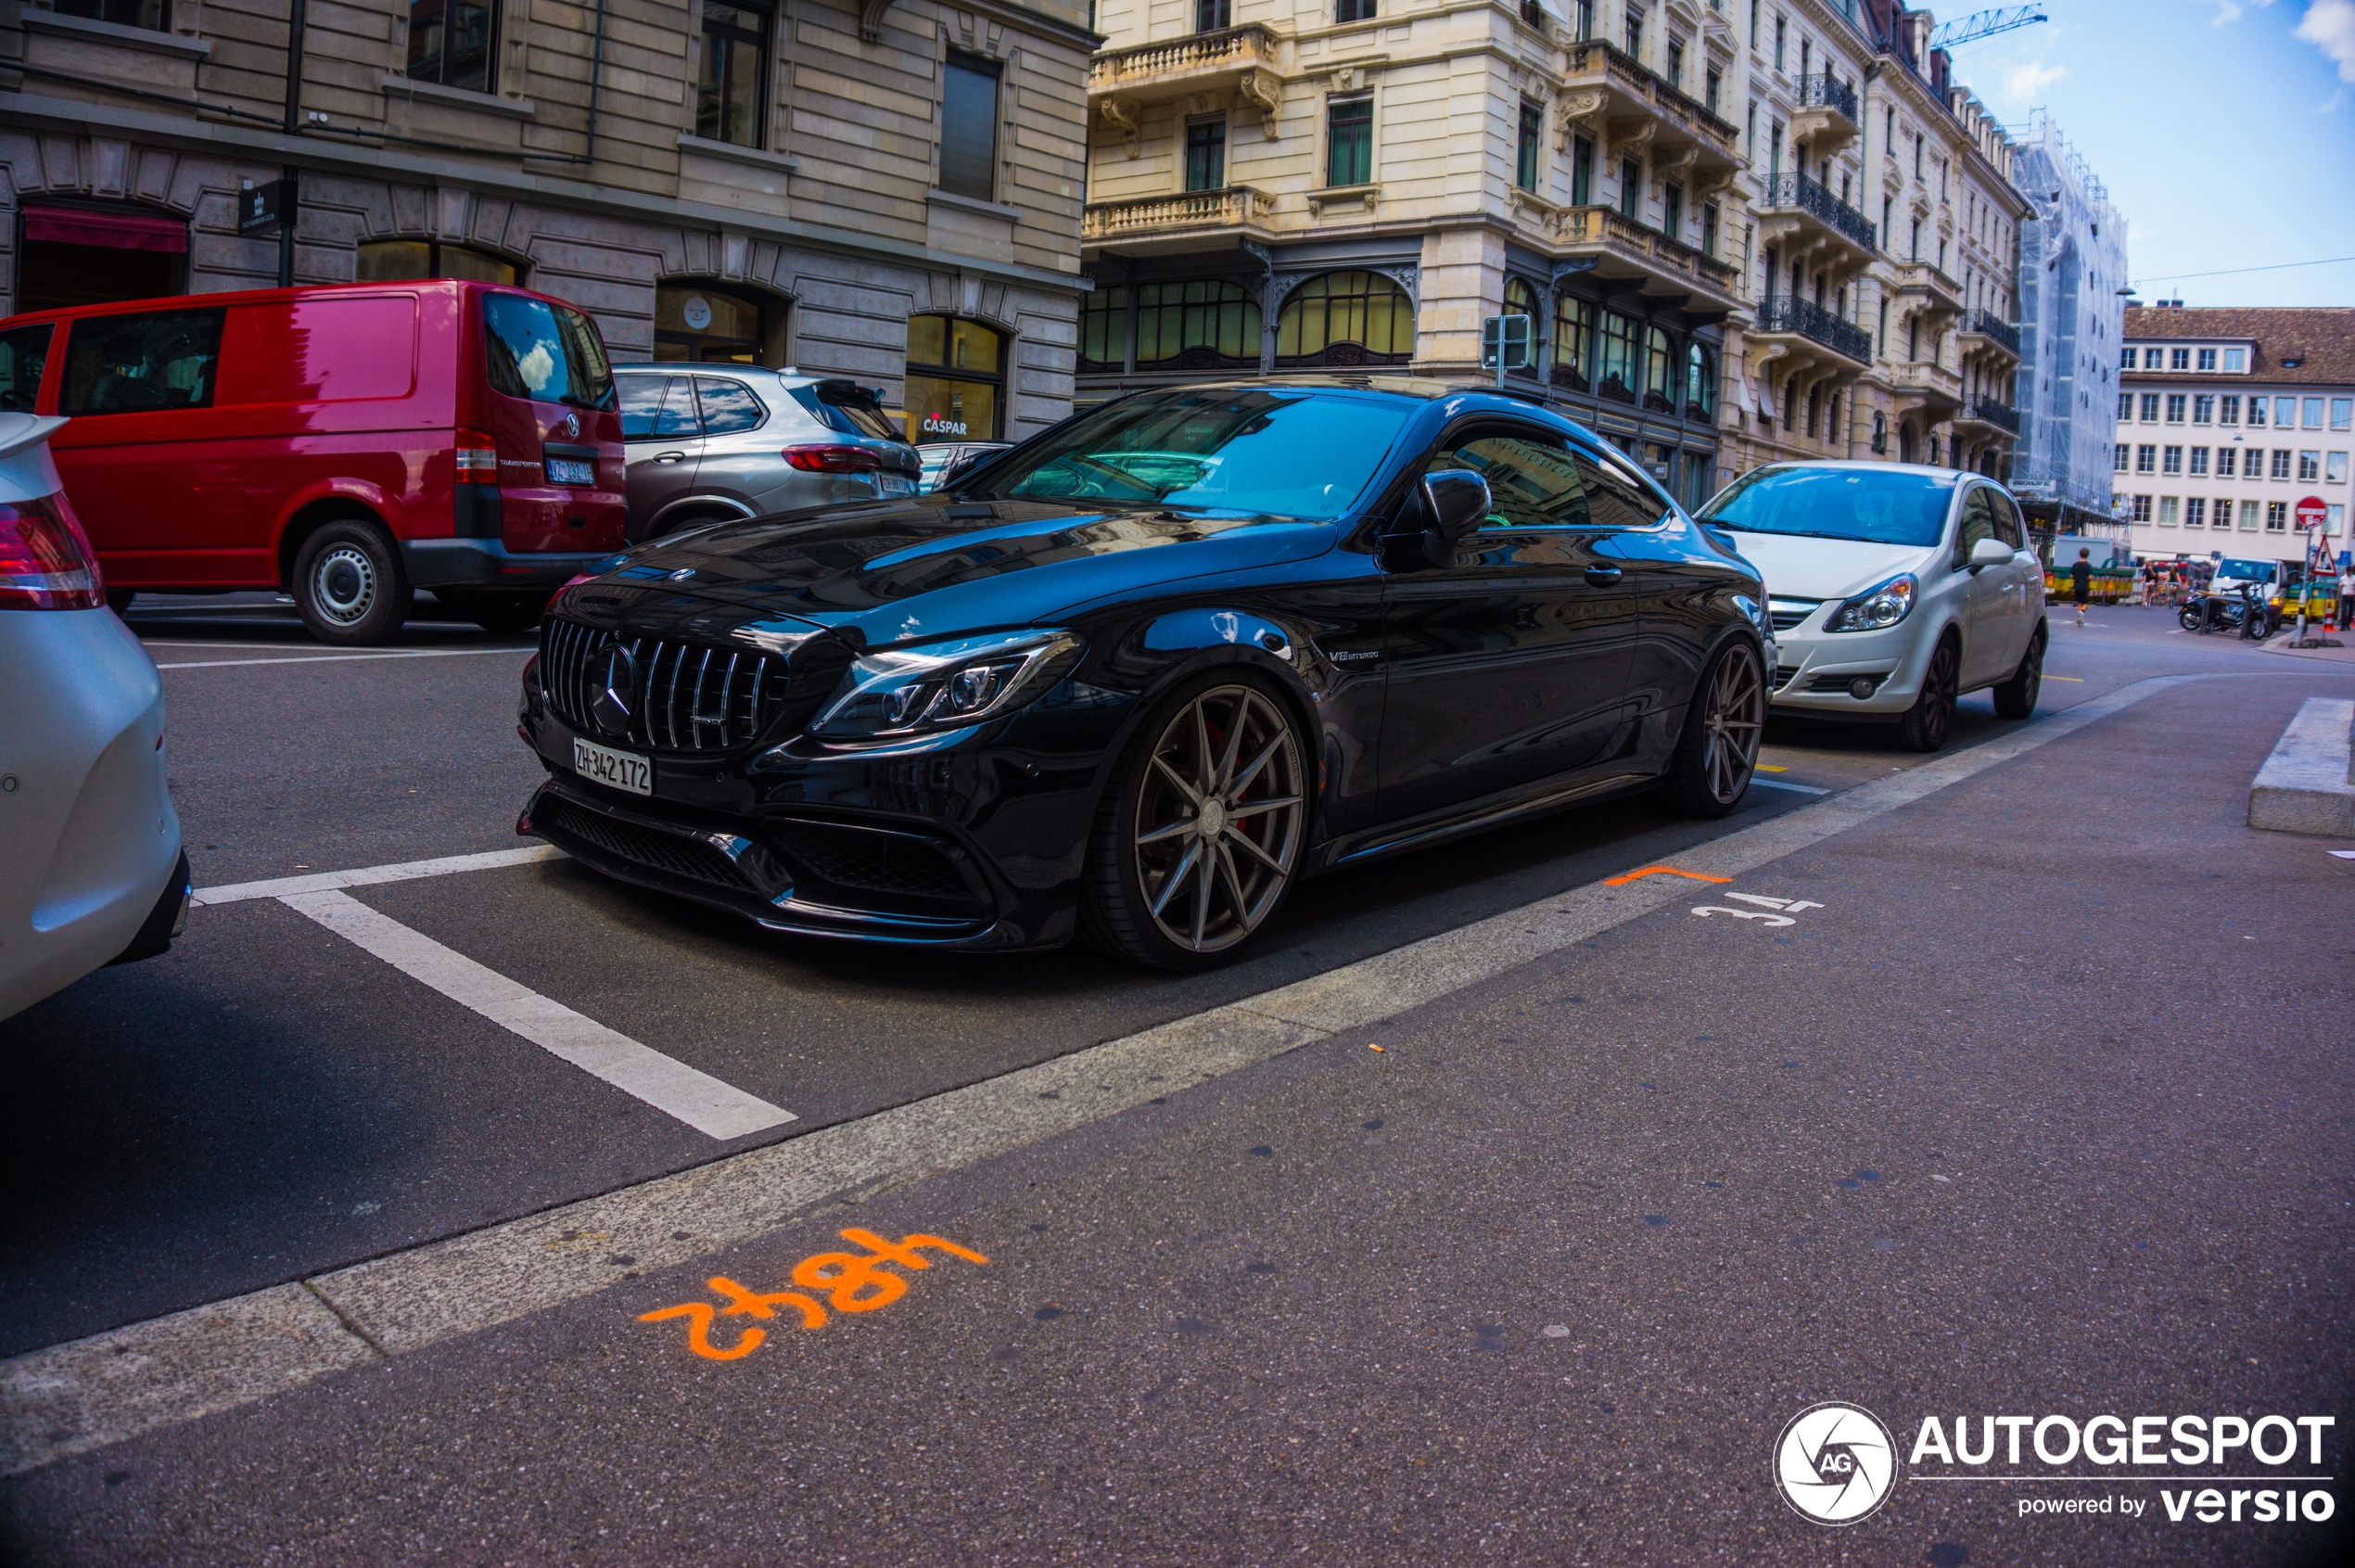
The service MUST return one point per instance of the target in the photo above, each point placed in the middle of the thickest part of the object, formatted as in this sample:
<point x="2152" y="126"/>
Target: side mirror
<point x="1990" y="553"/>
<point x="1455" y="501"/>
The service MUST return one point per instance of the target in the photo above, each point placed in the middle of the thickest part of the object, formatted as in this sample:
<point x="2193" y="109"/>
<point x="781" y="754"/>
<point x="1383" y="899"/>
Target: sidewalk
<point x="2281" y="644"/>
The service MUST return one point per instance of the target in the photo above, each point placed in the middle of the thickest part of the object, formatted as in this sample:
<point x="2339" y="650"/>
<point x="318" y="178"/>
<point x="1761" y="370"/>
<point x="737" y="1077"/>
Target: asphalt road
<point x="2040" y="1111"/>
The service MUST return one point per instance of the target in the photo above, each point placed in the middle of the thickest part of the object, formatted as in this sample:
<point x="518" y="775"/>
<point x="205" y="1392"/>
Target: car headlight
<point x="944" y="686"/>
<point x="1876" y="609"/>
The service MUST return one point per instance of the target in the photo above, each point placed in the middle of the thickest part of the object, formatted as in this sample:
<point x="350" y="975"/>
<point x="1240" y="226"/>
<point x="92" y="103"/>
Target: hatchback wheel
<point x="2016" y="697"/>
<point x="1724" y="723"/>
<point x="1931" y="719"/>
<point x="348" y="584"/>
<point x="1201" y="830"/>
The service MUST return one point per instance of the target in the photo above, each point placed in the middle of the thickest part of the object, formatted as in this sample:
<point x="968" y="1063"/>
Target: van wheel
<point x="348" y="584"/>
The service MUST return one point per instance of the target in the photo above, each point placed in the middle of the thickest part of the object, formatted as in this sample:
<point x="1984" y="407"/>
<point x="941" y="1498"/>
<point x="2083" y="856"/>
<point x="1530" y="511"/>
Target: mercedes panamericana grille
<point x="1133" y="680"/>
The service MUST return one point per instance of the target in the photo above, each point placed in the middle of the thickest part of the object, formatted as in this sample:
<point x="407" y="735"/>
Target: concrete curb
<point x="2307" y="784"/>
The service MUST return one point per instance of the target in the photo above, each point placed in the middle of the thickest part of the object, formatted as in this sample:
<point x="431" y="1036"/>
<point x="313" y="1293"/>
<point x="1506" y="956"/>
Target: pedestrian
<point x="2081" y="582"/>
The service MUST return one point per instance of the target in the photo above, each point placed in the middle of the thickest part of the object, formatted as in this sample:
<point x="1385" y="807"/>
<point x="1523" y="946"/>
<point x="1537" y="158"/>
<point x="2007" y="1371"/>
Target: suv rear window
<point x="547" y="352"/>
<point x="847" y="409"/>
<point x="139" y="363"/>
<point x="23" y="353"/>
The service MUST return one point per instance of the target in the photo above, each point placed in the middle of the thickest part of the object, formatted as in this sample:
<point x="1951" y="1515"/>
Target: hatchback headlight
<point x="944" y="686"/>
<point x="1876" y="609"/>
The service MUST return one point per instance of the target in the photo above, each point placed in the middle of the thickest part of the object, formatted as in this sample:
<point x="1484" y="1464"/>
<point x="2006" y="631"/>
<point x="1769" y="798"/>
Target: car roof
<point x="271" y="295"/>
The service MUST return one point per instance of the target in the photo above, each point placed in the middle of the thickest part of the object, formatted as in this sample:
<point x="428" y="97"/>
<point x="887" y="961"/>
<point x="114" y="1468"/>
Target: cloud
<point x="2023" y="83"/>
<point x="2329" y="25"/>
<point x="2230" y="11"/>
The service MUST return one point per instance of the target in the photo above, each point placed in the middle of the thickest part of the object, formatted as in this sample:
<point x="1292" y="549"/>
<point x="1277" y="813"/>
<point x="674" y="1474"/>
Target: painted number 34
<point x="1769" y="912"/>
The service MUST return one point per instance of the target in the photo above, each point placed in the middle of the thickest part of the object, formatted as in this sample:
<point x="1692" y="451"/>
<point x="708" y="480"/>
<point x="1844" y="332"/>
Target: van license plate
<point x="898" y="484"/>
<point x="571" y="471"/>
<point x="615" y="769"/>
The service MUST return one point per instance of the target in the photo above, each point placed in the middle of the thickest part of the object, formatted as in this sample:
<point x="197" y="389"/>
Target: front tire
<point x="1202" y="829"/>
<point x="1717" y="755"/>
<point x="2192" y="618"/>
<point x="348" y="585"/>
<point x="1931" y="719"/>
<point x="2016" y="697"/>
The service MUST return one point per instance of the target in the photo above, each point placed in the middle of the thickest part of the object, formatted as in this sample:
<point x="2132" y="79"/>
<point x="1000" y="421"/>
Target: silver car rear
<point x="706" y="442"/>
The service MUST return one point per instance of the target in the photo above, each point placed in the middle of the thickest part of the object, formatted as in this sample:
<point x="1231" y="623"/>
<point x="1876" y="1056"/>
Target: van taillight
<point x="477" y="458"/>
<point x="834" y="459"/>
<point x="45" y="560"/>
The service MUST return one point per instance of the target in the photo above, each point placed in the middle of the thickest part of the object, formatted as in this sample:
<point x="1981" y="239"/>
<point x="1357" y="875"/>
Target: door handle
<point x="670" y="457"/>
<point x="1603" y="577"/>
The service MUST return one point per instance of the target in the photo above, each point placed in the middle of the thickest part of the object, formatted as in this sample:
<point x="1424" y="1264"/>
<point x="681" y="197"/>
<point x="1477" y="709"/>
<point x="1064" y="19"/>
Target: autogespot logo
<point x="1836" y="1463"/>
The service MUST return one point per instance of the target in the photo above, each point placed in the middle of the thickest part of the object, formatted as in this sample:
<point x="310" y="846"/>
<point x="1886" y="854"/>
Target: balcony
<point x="1789" y="314"/>
<point x="1929" y="385"/>
<point x="1928" y="292"/>
<point x="1238" y="59"/>
<point x="1991" y="412"/>
<point x="1177" y="222"/>
<point x="1802" y="216"/>
<point x="1635" y="105"/>
<point x="1992" y="332"/>
<point x="1626" y="248"/>
<point x="1825" y="117"/>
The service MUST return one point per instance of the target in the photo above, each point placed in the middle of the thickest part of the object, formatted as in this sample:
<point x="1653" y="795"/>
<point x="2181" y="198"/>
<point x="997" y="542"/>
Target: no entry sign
<point x="2311" y="512"/>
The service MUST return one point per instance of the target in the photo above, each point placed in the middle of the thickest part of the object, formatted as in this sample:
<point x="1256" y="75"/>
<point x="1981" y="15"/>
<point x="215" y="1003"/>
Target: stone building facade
<point x="761" y="181"/>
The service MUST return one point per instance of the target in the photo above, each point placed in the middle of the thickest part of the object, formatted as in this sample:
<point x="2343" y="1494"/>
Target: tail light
<point x="835" y="459"/>
<point x="46" y="560"/>
<point x="477" y="458"/>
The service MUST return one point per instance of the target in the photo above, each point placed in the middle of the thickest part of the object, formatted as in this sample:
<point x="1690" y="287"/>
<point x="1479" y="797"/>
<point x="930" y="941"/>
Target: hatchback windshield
<point x="544" y="351"/>
<point x="1878" y="508"/>
<point x="1290" y="454"/>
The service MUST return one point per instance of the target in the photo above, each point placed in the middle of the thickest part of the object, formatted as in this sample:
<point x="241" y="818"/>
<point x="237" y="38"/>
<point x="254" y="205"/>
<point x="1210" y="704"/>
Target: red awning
<point x="118" y="231"/>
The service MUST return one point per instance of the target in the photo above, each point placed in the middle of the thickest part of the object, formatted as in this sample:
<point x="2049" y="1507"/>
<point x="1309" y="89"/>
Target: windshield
<point x="1287" y="453"/>
<point x="1878" y="508"/>
<point x="2245" y="571"/>
<point x="547" y="352"/>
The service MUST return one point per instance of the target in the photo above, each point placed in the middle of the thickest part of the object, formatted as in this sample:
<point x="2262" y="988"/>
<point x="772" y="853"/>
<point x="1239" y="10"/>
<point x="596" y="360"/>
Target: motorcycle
<point x="2243" y="612"/>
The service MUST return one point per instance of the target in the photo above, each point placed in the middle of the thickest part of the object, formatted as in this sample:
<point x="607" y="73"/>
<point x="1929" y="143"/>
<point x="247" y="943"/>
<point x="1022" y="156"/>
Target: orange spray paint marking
<point x="853" y="1281"/>
<point x="1625" y="877"/>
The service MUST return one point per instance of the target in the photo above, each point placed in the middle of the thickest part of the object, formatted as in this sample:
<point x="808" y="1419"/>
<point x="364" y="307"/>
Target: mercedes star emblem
<point x="617" y="690"/>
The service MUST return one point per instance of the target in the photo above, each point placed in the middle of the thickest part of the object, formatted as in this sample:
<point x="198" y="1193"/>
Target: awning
<point x="117" y="231"/>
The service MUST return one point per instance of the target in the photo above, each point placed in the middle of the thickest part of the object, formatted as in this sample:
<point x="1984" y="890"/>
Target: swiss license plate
<point x="571" y="471"/>
<point x="898" y="484"/>
<point x="615" y="769"/>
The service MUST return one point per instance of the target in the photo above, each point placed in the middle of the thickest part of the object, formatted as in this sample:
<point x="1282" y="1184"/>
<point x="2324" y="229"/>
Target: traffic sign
<point x="2313" y="512"/>
<point x="1505" y="342"/>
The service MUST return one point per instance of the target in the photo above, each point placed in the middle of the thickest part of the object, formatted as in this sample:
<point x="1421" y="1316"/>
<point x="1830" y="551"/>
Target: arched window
<point x="1573" y="342"/>
<point x="1520" y="300"/>
<point x="956" y="380"/>
<point x="1615" y="368"/>
<point x="704" y="323"/>
<point x="1700" y="382"/>
<point x="1344" y="319"/>
<point x="1880" y="431"/>
<point x="1906" y="452"/>
<point x="1199" y="325"/>
<point x="398" y="260"/>
<point x="1660" y="371"/>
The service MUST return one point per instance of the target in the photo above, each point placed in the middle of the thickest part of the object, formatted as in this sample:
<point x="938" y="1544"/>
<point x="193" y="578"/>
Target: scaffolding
<point x="2072" y="265"/>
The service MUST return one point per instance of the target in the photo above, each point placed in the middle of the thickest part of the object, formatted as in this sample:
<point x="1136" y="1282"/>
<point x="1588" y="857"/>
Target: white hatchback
<point x="91" y="871"/>
<point x="1893" y="589"/>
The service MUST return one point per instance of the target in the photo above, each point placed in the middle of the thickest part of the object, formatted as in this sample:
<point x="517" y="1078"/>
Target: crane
<point x="1984" y="24"/>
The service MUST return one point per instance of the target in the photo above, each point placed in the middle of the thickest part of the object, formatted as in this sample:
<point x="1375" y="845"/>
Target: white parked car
<point x="91" y="870"/>
<point x="1893" y="589"/>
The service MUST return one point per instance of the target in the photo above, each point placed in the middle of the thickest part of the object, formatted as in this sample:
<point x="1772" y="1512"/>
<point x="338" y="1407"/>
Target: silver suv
<point x="706" y="442"/>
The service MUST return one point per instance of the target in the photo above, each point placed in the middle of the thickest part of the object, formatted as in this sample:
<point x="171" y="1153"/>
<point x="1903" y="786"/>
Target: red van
<point x="347" y="445"/>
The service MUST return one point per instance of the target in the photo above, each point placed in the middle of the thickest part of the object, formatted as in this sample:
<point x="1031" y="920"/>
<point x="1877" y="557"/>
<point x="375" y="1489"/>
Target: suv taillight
<point x="46" y="560"/>
<point x="477" y="458"/>
<point x="835" y="459"/>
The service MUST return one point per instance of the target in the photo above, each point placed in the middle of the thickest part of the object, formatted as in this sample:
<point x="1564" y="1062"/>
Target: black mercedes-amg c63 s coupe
<point x="1130" y="680"/>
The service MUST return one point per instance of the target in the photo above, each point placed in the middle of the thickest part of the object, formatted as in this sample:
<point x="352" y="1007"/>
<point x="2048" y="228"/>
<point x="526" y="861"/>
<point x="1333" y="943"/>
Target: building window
<point x="1710" y="83"/>
<point x="449" y="43"/>
<point x="1212" y="16"/>
<point x="2168" y="507"/>
<point x="2311" y="417"/>
<point x="2250" y="513"/>
<point x="1700" y="382"/>
<point x="2342" y="410"/>
<point x="2208" y="359"/>
<point x="2172" y="460"/>
<point x="2125" y="406"/>
<point x="1631" y="188"/>
<point x="1207" y="156"/>
<point x="729" y="99"/>
<point x="2175" y="402"/>
<point x="1349" y="141"/>
<point x="1199" y="325"/>
<point x="1353" y="10"/>
<point x="2227" y="459"/>
<point x="1616" y="372"/>
<point x="1660" y="372"/>
<point x="2285" y="414"/>
<point x="2310" y="467"/>
<point x="2203" y="410"/>
<point x="1573" y="341"/>
<point x="2141" y="503"/>
<point x="1635" y="35"/>
<point x="969" y="128"/>
<point x="1709" y="228"/>
<point x="2126" y="360"/>
<point x="2145" y="459"/>
<point x="1343" y="319"/>
<point x="153" y="15"/>
<point x="2228" y="411"/>
<point x="397" y="260"/>
<point x="1672" y="212"/>
<point x="2150" y="408"/>
<point x="701" y="324"/>
<point x="1675" y="60"/>
<point x="2335" y="469"/>
<point x="2199" y="462"/>
<point x="1585" y="20"/>
<point x="2277" y="516"/>
<point x="1782" y="32"/>
<point x="2235" y="361"/>
<point x="2153" y="358"/>
<point x="2120" y="461"/>
<point x="2196" y="511"/>
<point x="2179" y="359"/>
<point x="956" y="378"/>
<point x="2281" y="462"/>
<point x="1530" y="155"/>
<point x="2256" y="407"/>
<point x="1103" y="330"/>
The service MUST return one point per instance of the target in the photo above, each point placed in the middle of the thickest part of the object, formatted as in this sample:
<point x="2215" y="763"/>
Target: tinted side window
<point x="1617" y="495"/>
<point x="23" y="354"/>
<point x="1979" y="522"/>
<point x="2008" y="524"/>
<point x="123" y="364"/>
<point x="728" y="406"/>
<point x="1530" y="481"/>
<point x="655" y="406"/>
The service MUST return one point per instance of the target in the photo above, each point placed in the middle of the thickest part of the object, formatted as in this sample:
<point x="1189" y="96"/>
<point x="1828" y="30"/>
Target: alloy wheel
<point x="343" y="584"/>
<point x="1938" y="692"/>
<point x="1734" y="721"/>
<point x="1219" y="820"/>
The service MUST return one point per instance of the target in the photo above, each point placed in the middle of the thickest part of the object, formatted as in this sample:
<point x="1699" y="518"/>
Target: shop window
<point x="1103" y="330"/>
<point x="1199" y="325"/>
<point x="706" y="325"/>
<point x="154" y="15"/>
<point x="450" y="43"/>
<point x="1573" y="342"/>
<point x="969" y="127"/>
<point x="97" y="256"/>
<point x="1343" y="319"/>
<point x="1615" y="369"/>
<point x="1661" y="379"/>
<point x="956" y="380"/>
<point x="1700" y="382"/>
<point x="398" y="260"/>
<point x="735" y="59"/>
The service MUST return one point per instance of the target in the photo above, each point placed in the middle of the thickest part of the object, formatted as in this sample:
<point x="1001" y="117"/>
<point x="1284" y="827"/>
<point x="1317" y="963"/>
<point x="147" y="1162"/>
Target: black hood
<point x="898" y="571"/>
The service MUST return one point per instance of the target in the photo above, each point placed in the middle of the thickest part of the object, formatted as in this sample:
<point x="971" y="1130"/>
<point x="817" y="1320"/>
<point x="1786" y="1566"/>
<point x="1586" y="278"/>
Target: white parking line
<point x="365" y="876"/>
<point x="1757" y="782"/>
<point x="343" y="658"/>
<point x="711" y="1107"/>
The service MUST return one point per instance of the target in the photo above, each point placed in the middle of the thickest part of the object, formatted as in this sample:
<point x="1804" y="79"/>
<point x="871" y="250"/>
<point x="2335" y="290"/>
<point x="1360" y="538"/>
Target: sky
<point x="2225" y="129"/>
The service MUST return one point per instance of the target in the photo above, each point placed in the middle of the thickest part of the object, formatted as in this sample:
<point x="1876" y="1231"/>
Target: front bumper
<point x="1817" y="669"/>
<point x="486" y="563"/>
